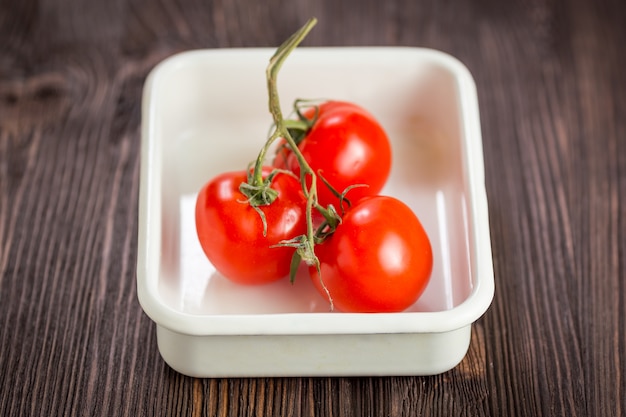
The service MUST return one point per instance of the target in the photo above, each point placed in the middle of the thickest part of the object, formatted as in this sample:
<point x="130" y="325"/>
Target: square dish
<point x="205" y="112"/>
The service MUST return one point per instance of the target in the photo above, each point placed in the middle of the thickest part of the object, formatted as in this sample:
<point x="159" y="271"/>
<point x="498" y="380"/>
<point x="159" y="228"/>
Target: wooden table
<point x="552" y="90"/>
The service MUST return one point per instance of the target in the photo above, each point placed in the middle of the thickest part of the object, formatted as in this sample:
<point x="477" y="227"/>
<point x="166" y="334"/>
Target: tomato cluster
<point x="318" y="202"/>
<point x="377" y="257"/>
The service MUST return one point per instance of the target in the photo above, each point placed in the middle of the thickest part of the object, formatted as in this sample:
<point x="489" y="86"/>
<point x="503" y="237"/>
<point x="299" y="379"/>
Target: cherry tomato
<point x="346" y="146"/>
<point x="379" y="259"/>
<point x="230" y="231"/>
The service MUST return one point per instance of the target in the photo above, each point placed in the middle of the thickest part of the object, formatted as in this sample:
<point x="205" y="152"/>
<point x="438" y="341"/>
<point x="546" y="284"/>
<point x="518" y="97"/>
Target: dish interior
<point x="209" y="115"/>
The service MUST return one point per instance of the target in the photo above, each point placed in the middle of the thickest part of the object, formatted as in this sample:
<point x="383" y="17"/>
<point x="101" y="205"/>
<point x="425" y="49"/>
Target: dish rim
<point x="468" y="311"/>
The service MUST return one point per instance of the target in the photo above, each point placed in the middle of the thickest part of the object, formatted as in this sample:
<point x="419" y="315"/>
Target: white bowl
<point x="205" y="112"/>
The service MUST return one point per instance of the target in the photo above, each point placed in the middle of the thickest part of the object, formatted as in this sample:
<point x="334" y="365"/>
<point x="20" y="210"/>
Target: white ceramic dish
<point x="205" y="112"/>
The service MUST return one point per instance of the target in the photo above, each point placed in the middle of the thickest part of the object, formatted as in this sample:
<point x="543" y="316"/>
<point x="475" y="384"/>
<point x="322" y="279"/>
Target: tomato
<point x="379" y="259"/>
<point x="230" y="230"/>
<point x="346" y="146"/>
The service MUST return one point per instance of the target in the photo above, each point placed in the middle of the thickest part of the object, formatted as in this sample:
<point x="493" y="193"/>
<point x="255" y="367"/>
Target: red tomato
<point x="379" y="259"/>
<point x="346" y="146"/>
<point x="231" y="231"/>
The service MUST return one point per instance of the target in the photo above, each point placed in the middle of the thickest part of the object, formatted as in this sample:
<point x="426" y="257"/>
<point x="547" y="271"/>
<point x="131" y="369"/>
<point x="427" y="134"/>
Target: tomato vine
<point x="283" y="129"/>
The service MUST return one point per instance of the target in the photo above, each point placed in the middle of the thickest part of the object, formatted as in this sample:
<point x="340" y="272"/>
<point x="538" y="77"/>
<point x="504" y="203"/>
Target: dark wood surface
<point x="552" y="89"/>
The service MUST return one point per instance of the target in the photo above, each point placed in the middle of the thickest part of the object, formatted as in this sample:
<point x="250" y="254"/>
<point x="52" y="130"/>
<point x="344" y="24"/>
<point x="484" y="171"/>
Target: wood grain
<point x="552" y="91"/>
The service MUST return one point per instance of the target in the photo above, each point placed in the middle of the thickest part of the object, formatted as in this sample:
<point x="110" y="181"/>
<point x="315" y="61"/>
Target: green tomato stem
<point x="276" y="62"/>
<point x="283" y="126"/>
<point x="304" y="244"/>
<point x="273" y="68"/>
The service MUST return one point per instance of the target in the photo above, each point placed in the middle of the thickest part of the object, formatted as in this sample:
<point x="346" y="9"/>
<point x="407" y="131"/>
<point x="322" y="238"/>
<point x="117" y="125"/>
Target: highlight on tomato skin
<point x="230" y="230"/>
<point x="379" y="259"/>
